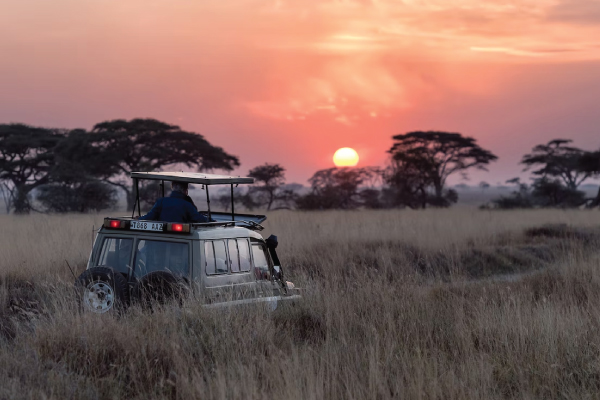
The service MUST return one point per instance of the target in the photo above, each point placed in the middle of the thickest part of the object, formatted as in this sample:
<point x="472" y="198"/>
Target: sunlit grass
<point x="397" y="304"/>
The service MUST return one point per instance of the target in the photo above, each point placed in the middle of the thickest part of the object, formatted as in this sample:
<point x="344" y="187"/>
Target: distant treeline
<point x="80" y="171"/>
<point x="419" y="164"/>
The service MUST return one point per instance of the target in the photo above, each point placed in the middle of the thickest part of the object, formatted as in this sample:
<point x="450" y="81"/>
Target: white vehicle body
<point x="223" y="262"/>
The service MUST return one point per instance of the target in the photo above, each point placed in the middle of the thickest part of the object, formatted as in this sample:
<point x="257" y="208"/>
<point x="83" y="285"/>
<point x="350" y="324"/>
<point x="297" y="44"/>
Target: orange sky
<point x="292" y="81"/>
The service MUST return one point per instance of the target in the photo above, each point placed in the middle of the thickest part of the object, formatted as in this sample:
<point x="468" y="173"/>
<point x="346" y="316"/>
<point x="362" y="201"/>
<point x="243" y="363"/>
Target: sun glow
<point x="345" y="157"/>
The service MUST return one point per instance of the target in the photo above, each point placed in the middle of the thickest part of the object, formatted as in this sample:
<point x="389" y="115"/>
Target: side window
<point x="261" y="264"/>
<point x="154" y="255"/>
<point x="216" y="257"/>
<point x="116" y="253"/>
<point x="244" y="251"/>
<point x="220" y="256"/>
<point x="234" y="257"/>
<point x="209" y="257"/>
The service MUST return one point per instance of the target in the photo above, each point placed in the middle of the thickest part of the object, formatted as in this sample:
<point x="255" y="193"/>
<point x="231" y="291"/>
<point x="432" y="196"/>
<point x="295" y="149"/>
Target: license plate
<point x="147" y="226"/>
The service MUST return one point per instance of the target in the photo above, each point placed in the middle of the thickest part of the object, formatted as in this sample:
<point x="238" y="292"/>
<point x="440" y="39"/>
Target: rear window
<point x="116" y="253"/>
<point x="155" y="255"/>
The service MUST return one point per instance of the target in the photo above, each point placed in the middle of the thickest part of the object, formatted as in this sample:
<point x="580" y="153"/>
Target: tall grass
<point x="397" y="304"/>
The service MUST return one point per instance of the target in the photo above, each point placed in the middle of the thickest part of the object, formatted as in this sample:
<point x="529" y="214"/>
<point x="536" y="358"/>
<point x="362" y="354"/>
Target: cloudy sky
<point x="292" y="81"/>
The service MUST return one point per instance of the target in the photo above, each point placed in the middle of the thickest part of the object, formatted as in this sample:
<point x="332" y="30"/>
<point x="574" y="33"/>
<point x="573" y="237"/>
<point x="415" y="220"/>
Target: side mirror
<point x="272" y="242"/>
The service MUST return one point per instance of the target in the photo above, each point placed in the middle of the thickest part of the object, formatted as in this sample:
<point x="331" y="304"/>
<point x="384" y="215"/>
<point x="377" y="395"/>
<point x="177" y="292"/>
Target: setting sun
<point x="345" y="157"/>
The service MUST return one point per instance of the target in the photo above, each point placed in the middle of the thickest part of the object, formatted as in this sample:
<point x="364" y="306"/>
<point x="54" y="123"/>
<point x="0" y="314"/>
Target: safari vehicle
<point x="222" y="262"/>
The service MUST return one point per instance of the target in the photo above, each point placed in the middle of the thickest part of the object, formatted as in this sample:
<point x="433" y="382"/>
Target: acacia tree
<point x="76" y="177"/>
<point x="544" y="191"/>
<point x="337" y="188"/>
<point x="551" y="192"/>
<point x="270" y="179"/>
<point x="150" y="145"/>
<point x="26" y="159"/>
<point x="424" y="159"/>
<point x="557" y="159"/>
<point x="408" y="186"/>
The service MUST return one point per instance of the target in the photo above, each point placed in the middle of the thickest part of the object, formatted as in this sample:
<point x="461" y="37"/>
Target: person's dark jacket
<point x="175" y="208"/>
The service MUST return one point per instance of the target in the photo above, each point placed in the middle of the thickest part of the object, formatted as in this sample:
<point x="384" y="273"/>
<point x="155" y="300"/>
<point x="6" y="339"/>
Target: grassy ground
<point x="433" y="304"/>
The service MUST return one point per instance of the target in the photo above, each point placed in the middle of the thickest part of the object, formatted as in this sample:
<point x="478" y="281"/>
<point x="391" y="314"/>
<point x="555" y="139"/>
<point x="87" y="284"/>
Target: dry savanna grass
<point x="451" y="304"/>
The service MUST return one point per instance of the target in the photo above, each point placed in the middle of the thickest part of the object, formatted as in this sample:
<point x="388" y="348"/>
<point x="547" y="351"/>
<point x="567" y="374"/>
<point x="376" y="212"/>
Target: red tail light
<point x="115" y="224"/>
<point x="185" y="228"/>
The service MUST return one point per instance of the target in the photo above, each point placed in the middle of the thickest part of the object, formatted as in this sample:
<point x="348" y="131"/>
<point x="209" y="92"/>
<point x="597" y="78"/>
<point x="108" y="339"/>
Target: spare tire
<point x="103" y="289"/>
<point x="160" y="287"/>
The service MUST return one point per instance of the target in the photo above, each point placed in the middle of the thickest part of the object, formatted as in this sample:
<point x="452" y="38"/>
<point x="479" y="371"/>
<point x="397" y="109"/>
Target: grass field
<point x="449" y="304"/>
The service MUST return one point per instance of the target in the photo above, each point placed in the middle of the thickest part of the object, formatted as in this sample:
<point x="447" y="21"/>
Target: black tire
<point x="159" y="287"/>
<point x="102" y="289"/>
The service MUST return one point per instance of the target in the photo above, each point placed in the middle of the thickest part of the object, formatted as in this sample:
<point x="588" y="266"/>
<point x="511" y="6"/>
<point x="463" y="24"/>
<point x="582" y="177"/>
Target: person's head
<point x="181" y="187"/>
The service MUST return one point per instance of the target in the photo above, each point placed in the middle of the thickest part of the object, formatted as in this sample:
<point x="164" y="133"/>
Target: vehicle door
<point x="154" y="253"/>
<point x="228" y="270"/>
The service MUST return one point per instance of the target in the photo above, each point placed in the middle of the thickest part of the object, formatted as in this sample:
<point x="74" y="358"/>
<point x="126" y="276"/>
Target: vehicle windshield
<point x="155" y="255"/>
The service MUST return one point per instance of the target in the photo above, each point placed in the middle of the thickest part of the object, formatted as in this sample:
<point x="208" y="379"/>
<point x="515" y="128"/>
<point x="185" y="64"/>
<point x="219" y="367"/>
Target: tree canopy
<point x="337" y="188"/>
<point x="149" y="145"/>
<point x="26" y="159"/>
<point x="70" y="166"/>
<point x="76" y="177"/>
<point x="543" y="192"/>
<point x="422" y="160"/>
<point x="269" y="178"/>
<point x="556" y="159"/>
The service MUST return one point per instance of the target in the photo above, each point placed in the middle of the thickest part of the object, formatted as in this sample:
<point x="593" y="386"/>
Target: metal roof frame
<point x="193" y="177"/>
<point x="189" y="177"/>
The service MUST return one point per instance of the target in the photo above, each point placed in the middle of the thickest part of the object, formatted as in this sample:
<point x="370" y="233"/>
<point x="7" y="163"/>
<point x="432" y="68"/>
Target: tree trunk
<point x="21" y="200"/>
<point x="130" y="195"/>
<point x="7" y="196"/>
<point x="439" y="189"/>
<point x="271" y="199"/>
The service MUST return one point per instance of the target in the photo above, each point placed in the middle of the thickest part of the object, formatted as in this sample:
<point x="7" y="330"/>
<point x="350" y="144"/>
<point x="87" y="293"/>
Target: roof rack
<point x="188" y="177"/>
<point x="248" y="224"/>
<point x="192" y="177"/>
<point x="124" y="223"/>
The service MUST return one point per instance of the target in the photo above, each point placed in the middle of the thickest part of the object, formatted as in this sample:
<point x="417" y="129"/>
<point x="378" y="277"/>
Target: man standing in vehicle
<point x="178" y="207"/>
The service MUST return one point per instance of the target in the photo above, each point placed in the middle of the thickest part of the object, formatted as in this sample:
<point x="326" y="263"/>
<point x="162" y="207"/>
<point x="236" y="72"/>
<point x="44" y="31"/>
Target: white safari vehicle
<point x="222" y="262"/>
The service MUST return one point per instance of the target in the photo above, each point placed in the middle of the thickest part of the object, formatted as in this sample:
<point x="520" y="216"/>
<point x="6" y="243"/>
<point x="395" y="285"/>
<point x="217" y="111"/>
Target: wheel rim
<point x="99" y="297"/>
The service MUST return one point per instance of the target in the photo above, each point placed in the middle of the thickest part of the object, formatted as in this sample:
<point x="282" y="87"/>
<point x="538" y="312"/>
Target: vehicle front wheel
<point x="103" y="289"/>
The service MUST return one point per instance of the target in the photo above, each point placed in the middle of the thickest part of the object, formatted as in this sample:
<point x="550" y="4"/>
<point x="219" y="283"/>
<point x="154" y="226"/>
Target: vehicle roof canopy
<point x="198" y="178"/>
<point x="193" y="177"/>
